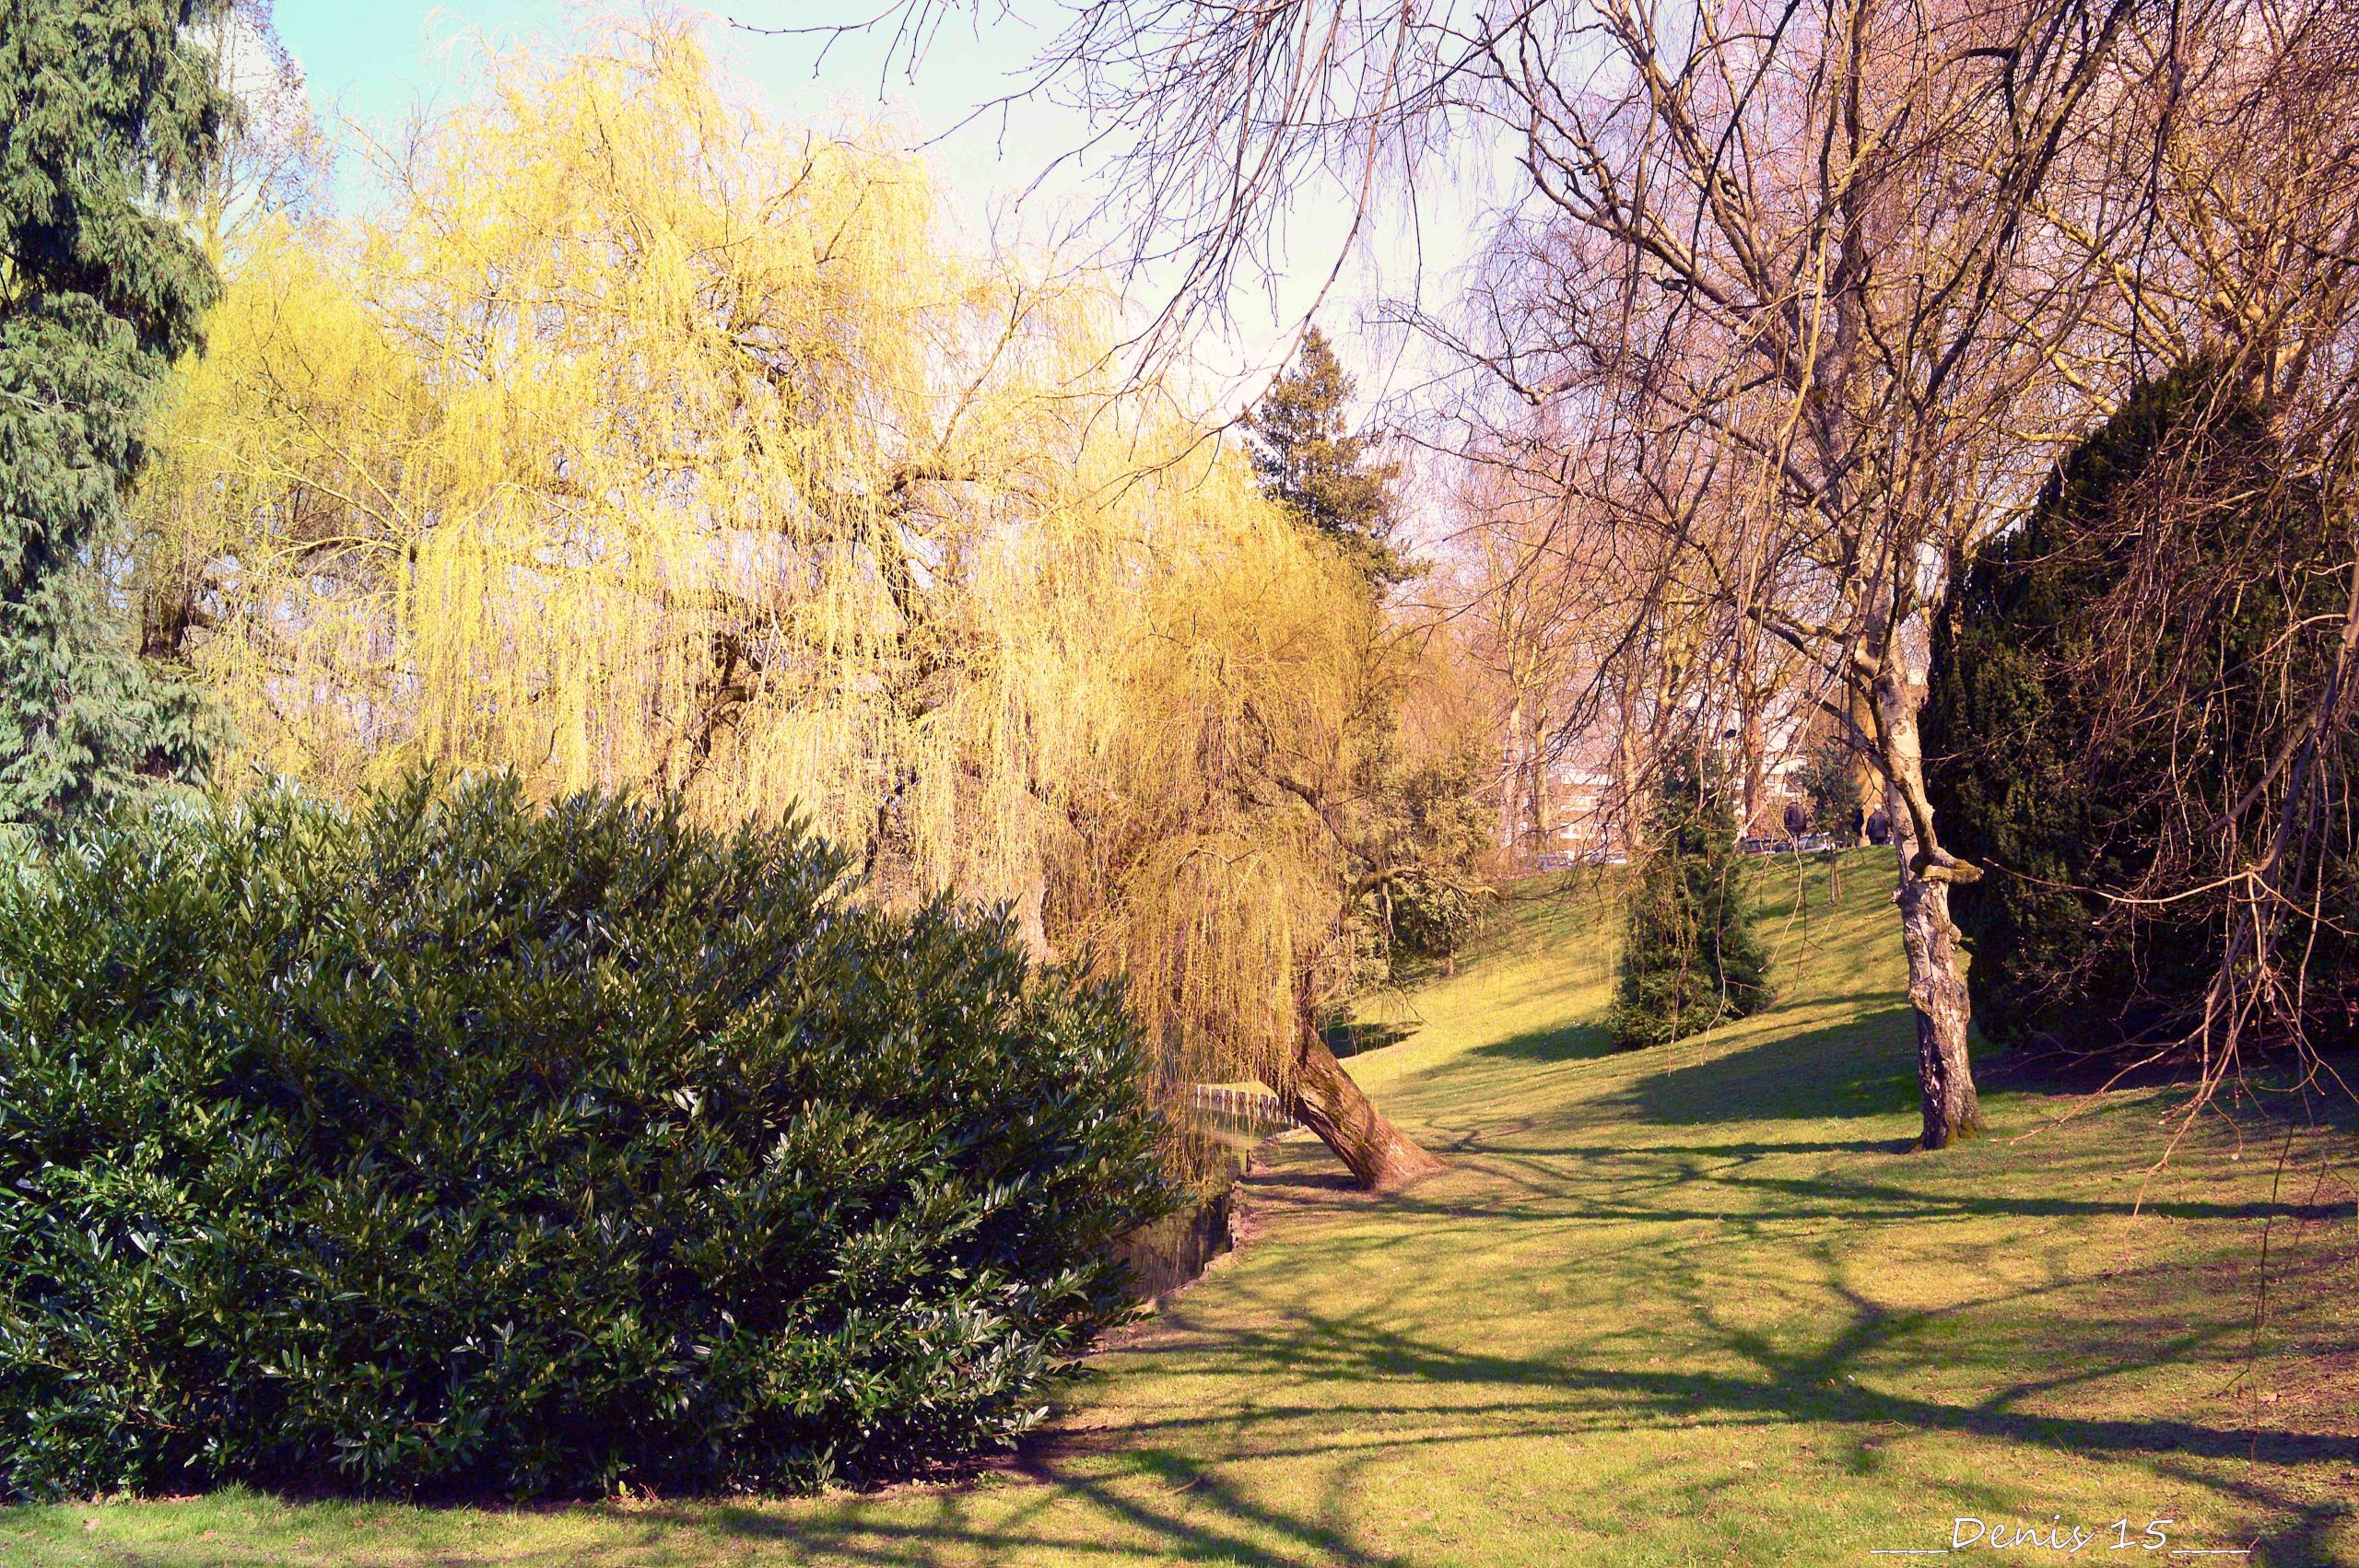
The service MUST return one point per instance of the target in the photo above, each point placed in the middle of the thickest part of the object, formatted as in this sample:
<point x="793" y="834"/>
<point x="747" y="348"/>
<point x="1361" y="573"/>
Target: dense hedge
<point x="2109" y="678"/>
<point x="454" y="1144"/>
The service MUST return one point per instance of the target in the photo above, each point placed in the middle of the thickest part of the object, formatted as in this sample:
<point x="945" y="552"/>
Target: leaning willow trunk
<point x="1322" y="1096"/>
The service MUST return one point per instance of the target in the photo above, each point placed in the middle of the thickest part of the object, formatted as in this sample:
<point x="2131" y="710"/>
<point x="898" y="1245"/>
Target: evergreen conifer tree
<point x="2098" y="773"/>
<point x="107" y="109"/>
<point x="1829" y="783"/>
<point x="1689" y="957"/>
<point x="1319" y="469"/>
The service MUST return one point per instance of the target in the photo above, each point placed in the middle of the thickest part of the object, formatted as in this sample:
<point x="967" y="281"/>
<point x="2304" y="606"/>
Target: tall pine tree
<point x="1312" y="463"/>
<point x="108" y="108"/>
<point x="1689" y="957"/>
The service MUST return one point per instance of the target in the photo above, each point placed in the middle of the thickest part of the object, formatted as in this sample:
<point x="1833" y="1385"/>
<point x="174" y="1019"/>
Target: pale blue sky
<point x="373" y="60"/>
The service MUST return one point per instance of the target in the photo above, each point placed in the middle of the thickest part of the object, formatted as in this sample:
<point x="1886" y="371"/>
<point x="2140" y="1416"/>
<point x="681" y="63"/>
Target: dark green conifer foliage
<point x="1827" y="782"/>
<point x="1310" y="461"/>
<point x="1689" y="957"/>
<point x="106" y="107"/>
<point x="2103" y="687"/>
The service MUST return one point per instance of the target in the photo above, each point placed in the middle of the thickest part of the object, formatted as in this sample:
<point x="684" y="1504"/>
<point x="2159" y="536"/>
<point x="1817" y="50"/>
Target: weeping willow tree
<point x="1239" y="843"/>
<point x="634" y="443"/>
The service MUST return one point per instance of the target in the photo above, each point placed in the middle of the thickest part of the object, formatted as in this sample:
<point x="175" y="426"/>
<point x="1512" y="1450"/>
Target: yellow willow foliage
<point x="634" y="443"/>
<point x="1227" y="876"/>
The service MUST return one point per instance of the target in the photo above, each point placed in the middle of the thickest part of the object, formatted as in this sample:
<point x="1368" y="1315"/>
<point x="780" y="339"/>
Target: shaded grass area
<point x="1688" y="1305"/>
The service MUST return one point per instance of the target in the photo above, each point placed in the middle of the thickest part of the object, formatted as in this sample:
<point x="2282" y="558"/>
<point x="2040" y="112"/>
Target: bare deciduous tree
<point x="1832" y="281"/>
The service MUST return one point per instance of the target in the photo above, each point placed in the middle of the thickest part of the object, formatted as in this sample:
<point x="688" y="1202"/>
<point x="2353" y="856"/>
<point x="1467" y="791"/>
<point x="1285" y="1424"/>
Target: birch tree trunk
<point x="1936" y="963"/>
<point x="1937" y="992"/>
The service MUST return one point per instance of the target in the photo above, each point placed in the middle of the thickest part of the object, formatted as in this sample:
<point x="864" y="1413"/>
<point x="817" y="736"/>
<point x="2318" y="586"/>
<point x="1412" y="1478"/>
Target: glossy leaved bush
<point x="451" y="1143"/>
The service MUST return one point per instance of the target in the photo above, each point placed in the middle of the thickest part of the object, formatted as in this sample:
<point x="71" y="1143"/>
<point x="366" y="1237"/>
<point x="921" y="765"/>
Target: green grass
<point x="1693" y="1305"/>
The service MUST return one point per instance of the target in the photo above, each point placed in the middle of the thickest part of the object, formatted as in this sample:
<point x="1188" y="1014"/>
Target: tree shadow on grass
<point x="1163" y="1489"/>
<point x="1819" y="1385"/>
<point x="1167" y="1487"/>
<point x="1357" y="1037"/>
<point x="1732" y="1192"/>
<point x="1571" y="1042"/>
<point x="1866" y="1067"/>
<point x="1369" y="1374"/>
<point x="1178" y="1506"/>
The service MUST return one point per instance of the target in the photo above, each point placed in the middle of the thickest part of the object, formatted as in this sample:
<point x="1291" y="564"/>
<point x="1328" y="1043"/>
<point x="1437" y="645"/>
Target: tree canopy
<point x="637" y="440"/>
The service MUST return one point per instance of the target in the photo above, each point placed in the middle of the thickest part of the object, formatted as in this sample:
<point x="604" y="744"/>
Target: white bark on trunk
<point x="1937" y="991"/>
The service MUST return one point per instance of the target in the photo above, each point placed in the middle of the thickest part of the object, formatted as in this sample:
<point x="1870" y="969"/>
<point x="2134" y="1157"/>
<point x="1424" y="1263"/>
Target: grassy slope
<point x="1688" y="1305"/>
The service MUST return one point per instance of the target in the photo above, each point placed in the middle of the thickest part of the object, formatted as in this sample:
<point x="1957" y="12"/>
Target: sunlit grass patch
<point x="1693" y="1305"/>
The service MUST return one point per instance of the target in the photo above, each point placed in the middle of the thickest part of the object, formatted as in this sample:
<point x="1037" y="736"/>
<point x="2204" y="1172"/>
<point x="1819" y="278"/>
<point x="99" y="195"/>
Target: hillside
<point x="1694" y="1305"/>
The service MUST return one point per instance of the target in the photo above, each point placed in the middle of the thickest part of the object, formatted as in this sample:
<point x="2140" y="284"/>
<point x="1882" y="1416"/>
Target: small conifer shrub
<point x="1689" y="957"/>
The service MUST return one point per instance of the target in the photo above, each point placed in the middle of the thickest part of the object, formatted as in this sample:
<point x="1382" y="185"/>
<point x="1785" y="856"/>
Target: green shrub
<point x="1689" y="959"/>
<point x="1433" y="915"/>
<point x="453" y="1144"/>
<point x="2109" y="678"/>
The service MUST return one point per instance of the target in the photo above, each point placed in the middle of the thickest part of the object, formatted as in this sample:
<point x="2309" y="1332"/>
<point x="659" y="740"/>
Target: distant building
<point x="1570" y="810"/>
<point x="1572" y="817"/>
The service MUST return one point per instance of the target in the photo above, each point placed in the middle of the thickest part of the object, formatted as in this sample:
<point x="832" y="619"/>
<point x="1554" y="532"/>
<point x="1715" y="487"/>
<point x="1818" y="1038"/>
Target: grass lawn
<point x="1688" y="1305"/>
